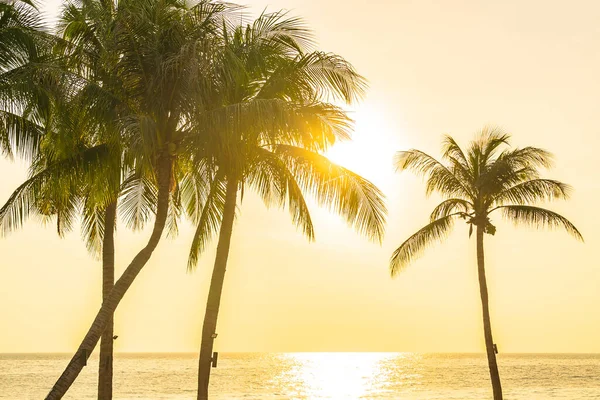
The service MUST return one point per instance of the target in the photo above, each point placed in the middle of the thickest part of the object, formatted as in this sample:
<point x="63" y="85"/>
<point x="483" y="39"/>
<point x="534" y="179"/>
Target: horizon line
<point x="316" y="352"/>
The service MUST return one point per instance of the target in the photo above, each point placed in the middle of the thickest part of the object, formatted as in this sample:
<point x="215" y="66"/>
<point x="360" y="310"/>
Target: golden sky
<point x="434" y="67"/>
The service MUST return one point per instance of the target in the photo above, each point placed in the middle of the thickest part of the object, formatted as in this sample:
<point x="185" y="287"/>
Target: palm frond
<point x="315" y="75"/>
<point x="21" y="28"/>
<point x="270" y="177"/>
<point x="139" y="199"/>
<point x="413" y="246"/>
<point x="356" y="199"/>
<point x="482" y="150"/>
<point x="450" y="206"/>
<point x="538" y="218"/>
<point x="527" y="157"/>
<point x="92" y="226"/>
<point x="512" y="167"/>
<point x="174" y="213"/>
<point x="279" y="29"/>
<point x="439" y="177"/>
<point x="491" y="138"/>
<point x="451" y="149"/>
<point x="194" y="185"/>
<point x="209" y="222"/>
<point x="532" y="191"/>
<point x="52" y="184"/>
<point x="18" y="135"/>
<point x="66" y="214"/>
<point x="316" y="125"/>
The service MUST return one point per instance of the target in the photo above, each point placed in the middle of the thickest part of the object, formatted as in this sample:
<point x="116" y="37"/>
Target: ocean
<point x="276" y="376"/>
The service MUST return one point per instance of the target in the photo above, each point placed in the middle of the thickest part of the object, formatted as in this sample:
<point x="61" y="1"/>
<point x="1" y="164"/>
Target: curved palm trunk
<point x="216" y="287"/>
<point x="105" y="369"/>
<point x="487" y="326"/>
<point x="109" y="305"/>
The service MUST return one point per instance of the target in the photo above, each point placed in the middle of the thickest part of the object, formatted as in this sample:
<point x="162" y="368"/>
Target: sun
<point x="372" y="148"/>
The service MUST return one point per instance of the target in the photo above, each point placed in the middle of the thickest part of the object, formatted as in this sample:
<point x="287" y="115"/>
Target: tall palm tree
<point x="80" y="118"/>
<point x="270" y="126"/>
<point x="163" y="49"/>
<point x="89" y="30"/>
<point x="68" y="179"/>
<point x="475" y="183"/>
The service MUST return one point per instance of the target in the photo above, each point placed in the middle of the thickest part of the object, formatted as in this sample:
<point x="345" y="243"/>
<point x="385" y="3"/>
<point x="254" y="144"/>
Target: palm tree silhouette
<point x="75" y="165"/>
<point x="276" y="122"/>
<point x="163" y="52"/>
<point x="474" y="184"/>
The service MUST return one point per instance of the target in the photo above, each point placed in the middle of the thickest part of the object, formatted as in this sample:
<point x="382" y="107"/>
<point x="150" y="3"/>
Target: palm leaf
<point x="58" y="178"/>
<point x="450" y="206"/>
<point x="532" y="191"/>
<point x="413" y="246"/>
<point x="527" y="157"/>
<point x="174" y="212"/>
<point x="490" y="139"/>
<point x="92" y="226"/>
<point x="439" y="178"/>
<point x="451" y="150"/>
<point x="539" y="218"/>
<point x="315" y="75"/>
<point x="354" y="198"/>
<point x="270" y="177"/>
<point x="139" y="200"/>
<point x="209" y="222"/>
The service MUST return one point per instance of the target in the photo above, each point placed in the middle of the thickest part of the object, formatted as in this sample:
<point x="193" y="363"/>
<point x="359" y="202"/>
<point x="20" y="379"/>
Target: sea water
<point x="275" y="376"/>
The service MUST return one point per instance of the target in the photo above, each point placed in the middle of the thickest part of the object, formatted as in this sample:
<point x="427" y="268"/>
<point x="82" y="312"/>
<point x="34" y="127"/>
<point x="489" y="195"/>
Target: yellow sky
<point x="434" y="67"/>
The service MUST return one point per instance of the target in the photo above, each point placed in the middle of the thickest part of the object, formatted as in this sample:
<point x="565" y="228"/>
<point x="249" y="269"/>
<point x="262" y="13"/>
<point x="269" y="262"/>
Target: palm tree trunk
<point x="109" y="305"/>
<point x="487" y="326"/>
<point x="105" y="369"/>
<point x="216" y="287"/>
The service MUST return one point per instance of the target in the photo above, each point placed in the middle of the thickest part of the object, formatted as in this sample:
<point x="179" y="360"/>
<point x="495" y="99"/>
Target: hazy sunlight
<point x="372" y="147"/>
<point x="338" y="375"/>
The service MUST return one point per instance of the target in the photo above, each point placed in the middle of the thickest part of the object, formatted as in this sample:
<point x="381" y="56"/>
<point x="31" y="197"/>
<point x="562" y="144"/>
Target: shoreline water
<point x="334" y="375"/>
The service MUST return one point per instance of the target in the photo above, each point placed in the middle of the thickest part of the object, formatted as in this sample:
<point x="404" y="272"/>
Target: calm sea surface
<point x="315" y="376"/>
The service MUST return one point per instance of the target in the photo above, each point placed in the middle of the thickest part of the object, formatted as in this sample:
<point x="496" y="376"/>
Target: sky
<point x="434" y="68"/>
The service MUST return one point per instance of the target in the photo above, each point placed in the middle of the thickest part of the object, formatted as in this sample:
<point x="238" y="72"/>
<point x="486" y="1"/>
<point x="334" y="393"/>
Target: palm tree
<point x="269" y="129"/>
<point x="81" y="111"/>
<point x="89" y="30"/>
<point x="63" y="184"/>
<point x="163" y="49"/>
<point x="74" y="171"/>
<point x="474" y="184"/>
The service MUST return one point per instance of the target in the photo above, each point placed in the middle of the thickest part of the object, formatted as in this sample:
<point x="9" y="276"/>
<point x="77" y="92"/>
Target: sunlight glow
<point x="337" y="375"/>
<point x="371" y="150"/>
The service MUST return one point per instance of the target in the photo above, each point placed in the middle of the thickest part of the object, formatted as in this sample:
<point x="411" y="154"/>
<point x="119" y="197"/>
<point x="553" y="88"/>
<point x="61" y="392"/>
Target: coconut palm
<point x="68" y="177"/>
<point x="163" y="52"/>
<point x="80" y="118"/>
<point x="89" y="30"/>
<point x="268" y="131"/>
<point x="81" y="178"/>
<point x="489" y="176"/>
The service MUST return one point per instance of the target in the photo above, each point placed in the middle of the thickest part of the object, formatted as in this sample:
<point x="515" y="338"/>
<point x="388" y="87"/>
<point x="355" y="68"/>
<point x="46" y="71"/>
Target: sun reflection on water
<point x="336" y="375"/>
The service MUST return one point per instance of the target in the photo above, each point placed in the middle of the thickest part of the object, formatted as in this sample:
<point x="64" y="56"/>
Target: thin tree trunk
<point x="110" y="304"/>
<point x="105" y="369"/>
<point x="216" y="287"/>
<point x="487" y="326"/>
